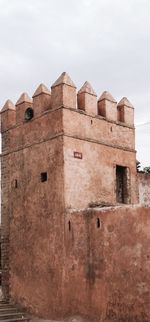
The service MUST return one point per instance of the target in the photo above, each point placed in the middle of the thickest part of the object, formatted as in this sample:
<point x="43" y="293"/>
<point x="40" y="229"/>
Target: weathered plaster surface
<point x="96" y="272"/>
<point x="108" y="268"/>
<point x="58" y="262"/>
<point x="144" y="188"/>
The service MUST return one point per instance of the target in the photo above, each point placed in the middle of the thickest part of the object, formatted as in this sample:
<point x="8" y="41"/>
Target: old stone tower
<point x="61" y="151"/>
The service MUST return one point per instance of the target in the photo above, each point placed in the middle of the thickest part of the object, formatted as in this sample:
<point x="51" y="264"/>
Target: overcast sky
<point x="106" y="42"/>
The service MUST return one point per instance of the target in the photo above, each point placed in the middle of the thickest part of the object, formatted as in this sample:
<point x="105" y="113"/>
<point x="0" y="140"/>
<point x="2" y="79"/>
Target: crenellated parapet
<point x="63" y="95"/>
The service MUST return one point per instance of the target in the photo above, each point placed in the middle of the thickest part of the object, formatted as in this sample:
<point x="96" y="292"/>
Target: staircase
<point x="9" y="313"/>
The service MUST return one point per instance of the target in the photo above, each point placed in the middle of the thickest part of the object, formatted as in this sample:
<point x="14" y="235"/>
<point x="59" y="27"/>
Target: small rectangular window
<point x="43" y="176"/>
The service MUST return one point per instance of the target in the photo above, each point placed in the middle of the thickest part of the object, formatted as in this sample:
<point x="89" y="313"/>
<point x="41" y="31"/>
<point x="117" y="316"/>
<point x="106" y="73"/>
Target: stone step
<point x="3" y="301"/>
<point x="6" y="305"/>
<point x="10" y="313"/>
<point x="16" y="320"/>
<point x="8" y="310"/>
<point x="10" y="307"/>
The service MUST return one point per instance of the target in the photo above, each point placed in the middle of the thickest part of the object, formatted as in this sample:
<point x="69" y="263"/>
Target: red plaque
<point x="78" y="155"/>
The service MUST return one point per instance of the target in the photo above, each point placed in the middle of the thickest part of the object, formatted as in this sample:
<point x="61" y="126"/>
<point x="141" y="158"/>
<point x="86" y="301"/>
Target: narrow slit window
<point x="69" y="225"/>
<point x="98" y="223"/>
<point x="16" y="183"/>
<point x="43" y="176"/>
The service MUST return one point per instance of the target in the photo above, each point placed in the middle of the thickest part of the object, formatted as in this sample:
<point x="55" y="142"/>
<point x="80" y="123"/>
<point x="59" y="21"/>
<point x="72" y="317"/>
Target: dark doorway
<point x="122" y="184"/>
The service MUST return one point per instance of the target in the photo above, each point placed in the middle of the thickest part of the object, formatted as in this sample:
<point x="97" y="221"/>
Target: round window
<point x="29" y="113"/>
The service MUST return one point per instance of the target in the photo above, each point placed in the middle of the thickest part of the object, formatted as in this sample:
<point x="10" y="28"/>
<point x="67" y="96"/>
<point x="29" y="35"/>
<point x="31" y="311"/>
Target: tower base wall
<point x="102" y="271"/>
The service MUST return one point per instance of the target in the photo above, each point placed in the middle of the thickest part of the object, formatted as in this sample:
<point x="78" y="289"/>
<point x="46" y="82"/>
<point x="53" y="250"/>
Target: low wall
<point x="104" y="264"/>
<point x="107" y="271"/>
<point x="144" y="188"/>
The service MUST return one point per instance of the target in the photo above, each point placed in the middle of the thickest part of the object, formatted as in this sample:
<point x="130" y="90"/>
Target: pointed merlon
<point x="42" y="89"/>
<point x="64" y="78"/>
<point x="87" y="88"/>
<point x="107" y="96"/>
<point x="8" y="106"/>
<point x="24" y="98"/>
<point x="126" y="102"/>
